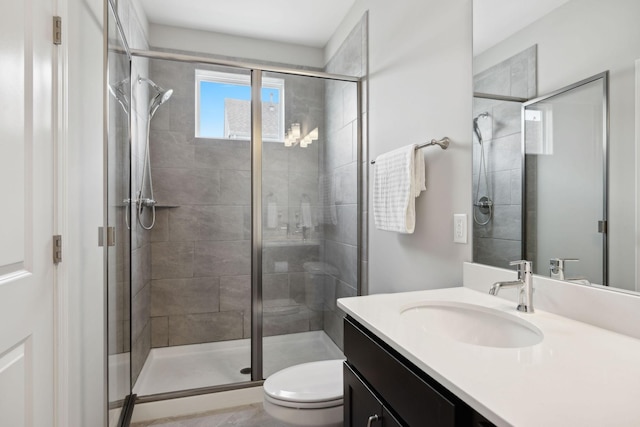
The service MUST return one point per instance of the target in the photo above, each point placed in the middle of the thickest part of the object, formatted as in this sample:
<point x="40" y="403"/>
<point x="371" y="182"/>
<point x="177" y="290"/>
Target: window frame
<point x="225" y="77"/>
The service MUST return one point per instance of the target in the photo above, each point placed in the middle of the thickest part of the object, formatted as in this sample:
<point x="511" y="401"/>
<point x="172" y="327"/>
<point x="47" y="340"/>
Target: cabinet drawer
<point x="412" y="398"/>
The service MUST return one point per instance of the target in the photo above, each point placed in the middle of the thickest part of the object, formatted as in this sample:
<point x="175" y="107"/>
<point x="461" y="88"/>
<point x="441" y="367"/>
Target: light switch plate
<point x="460" y="228"/>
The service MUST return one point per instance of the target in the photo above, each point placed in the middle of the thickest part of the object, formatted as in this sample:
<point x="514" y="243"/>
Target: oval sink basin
<point x="472" y="324"/>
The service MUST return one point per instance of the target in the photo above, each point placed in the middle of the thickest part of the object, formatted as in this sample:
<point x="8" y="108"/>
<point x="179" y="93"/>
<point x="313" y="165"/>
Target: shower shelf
<point x="157" y="206"/>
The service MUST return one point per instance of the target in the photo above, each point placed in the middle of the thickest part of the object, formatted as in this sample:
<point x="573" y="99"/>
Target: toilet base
<point x="324" y="417"/>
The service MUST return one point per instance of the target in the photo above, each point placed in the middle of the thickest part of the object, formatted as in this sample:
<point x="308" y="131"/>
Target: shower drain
<point x="245" y="371"/>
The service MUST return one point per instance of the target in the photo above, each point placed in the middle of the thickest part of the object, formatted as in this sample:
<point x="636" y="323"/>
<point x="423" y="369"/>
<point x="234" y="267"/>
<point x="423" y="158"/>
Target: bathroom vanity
<point x="459" y="357"/>
<point x="382" y="386"/>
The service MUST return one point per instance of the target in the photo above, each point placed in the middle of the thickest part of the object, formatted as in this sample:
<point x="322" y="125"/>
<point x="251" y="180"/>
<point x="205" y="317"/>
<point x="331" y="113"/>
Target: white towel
<point x="272" y="215"/>
<point x="419" y="178"/>
<point x="305" y="209"/>
<point x="399" y="178"/>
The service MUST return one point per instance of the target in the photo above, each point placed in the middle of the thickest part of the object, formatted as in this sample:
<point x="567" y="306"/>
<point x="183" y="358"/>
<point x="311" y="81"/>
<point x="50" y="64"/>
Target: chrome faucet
<point x="524" y="283"/>
<point x="556" y="267"/>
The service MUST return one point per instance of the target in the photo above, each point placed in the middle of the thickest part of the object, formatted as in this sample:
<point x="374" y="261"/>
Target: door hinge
<point x="57" y="249"/>
<point x="602" y="227"/>
<point x="57" y="30"/>
<point x="111" y="236"/>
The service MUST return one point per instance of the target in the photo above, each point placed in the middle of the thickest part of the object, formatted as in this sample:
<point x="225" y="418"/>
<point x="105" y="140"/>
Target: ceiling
<point x="495" y="20"/>
<point x="304" y="22"/>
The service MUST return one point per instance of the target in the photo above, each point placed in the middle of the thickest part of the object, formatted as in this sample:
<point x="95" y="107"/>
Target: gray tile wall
<point x="500" y="241"/>
<point x="340" y="170"/>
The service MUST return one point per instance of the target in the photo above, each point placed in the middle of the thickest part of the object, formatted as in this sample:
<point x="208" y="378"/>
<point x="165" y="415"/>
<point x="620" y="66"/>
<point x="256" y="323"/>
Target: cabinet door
<point x="359" y="402"/>
<point x="388" y="420"/>
<point x="361" y="405"/>
<point x="399" y="387"/>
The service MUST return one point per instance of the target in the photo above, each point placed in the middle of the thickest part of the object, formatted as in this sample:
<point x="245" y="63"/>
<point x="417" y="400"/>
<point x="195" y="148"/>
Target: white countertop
<point x="579" y="375"/>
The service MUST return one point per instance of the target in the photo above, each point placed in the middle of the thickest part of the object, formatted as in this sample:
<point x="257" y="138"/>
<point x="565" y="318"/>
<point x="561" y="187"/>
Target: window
<point x="223" y="106"/>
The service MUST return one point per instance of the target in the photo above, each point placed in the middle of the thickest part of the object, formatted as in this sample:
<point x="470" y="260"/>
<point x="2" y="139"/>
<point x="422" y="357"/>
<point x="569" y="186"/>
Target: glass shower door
<point x="565" y="182"/>
<point x="309" y="216"/>
<point x="215" y="299"/>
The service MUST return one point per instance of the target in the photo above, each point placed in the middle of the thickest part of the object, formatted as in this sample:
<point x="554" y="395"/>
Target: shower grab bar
<point x="442" y="143"/>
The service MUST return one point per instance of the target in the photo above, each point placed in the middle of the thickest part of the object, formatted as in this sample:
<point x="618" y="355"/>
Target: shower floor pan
<point x="186" y="367"/>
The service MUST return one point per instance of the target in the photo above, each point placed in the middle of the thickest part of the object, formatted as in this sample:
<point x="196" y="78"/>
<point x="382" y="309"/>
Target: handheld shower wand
<point x="160" y="98"/>
<point x="476" y="128"/>
<point x="483" y="204"/>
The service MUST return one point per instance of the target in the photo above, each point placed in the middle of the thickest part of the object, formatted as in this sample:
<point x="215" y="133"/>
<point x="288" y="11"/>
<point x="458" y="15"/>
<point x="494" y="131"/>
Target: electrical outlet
<point x="460" y="228"/>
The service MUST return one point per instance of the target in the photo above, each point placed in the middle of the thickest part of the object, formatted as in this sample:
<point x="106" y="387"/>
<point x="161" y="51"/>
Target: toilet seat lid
<point x="308" y="382"/>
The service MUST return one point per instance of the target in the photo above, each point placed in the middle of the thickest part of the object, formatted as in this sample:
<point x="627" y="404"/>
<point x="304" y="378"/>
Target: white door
<point x="26" y="214"/>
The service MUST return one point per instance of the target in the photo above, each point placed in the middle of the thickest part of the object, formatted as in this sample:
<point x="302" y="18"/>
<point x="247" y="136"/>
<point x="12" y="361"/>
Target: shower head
<point x="161" y="97"/>
<point x="158" y="100"/>
<point x="476" y="128"/>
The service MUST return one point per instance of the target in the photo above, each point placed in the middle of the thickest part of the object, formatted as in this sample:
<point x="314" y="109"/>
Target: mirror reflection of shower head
<point x="483" y="204"/>
<point x="476" y="128"/>
<point x="118" y="92"/>
<point x="162" y="96"/>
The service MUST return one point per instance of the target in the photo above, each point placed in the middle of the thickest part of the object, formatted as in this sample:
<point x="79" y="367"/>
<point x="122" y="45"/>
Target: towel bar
<point x="443" y="143"/>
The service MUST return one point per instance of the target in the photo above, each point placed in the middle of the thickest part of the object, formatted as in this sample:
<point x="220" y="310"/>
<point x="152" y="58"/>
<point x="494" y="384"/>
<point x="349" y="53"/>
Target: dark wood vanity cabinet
<point x="384" y="389"/>
<point x="361" y="404"/>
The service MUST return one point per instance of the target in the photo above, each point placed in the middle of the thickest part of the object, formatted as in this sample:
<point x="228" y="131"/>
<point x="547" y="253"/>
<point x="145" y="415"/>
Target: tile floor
<point x="242" y="416"/>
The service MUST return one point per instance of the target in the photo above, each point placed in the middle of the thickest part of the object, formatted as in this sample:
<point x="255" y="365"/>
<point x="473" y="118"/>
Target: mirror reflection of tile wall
<point x="500" y="240"/>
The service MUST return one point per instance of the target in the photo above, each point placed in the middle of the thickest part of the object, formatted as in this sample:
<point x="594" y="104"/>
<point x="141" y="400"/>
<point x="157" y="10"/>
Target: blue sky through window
<point x="212" y="96"/>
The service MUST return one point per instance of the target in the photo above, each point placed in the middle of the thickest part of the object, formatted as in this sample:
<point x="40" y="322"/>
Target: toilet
<point x="309" y="394"/>
<point x="319" y="284"/>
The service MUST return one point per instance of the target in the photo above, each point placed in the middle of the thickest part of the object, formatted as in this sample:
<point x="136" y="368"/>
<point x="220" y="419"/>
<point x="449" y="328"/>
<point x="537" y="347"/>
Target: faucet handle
<point x="523" y="265"/>
<point x="556" y="264"/>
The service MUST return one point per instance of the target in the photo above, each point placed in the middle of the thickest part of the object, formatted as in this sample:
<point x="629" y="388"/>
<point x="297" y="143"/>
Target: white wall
<point x="420" y="88"/>
<point x="167" y="37"/>
<point x="578" y="40"/>
<point x="637" y="96"/>
<point x="82" y="213"/>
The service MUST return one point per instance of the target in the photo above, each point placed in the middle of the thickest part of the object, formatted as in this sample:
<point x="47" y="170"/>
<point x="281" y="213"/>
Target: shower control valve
<point x="484" y="202"/>
<point x="147" y="203"/>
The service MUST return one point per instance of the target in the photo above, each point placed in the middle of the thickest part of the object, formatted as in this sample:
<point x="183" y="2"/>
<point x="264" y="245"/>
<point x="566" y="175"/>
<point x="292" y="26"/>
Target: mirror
<point x="535" y="62"/>
<point x="565" y="182"/>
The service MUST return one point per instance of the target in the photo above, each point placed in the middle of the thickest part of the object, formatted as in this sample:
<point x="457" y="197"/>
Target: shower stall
<point x="245" y="219"/>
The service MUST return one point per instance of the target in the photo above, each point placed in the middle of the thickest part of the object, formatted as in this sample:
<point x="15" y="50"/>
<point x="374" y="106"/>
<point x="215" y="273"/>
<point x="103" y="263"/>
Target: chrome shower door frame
<point x="256" y="225"/>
